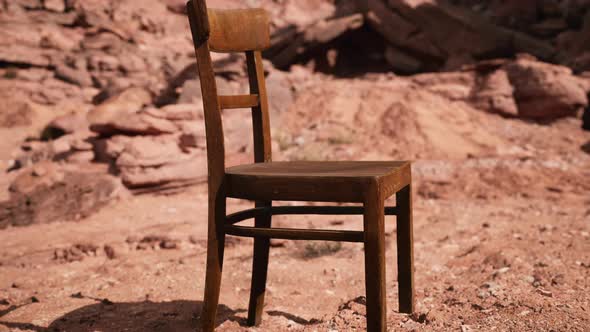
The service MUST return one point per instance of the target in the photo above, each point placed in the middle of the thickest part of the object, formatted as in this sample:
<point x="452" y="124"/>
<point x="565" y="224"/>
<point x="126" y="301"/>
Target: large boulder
<point x="156" y="161"/>
<point x="545" y="91"/>
<point x="157" y="148"/>
<point x="47" y="192"/>
<point x="492" y="90"/>
<point x="525" y="88"/>
<point x="67" y="124"/>
<point x="413" y="35"/>
<point x="138" y="123"/>
<point x="130" y="100"/>
<point x="15" y="113"/>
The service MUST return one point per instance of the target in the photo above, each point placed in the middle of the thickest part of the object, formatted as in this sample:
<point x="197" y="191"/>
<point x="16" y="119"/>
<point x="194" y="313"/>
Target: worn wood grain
<point x="405" y="250"/>
<point x="296" y="234"/>
<point x="260" y="116"/>
<point x="238" y="101"/>
<point x="322" y="181"/>
<point x="239" y="30"/>
<point x="259" y="266"/>
<point x="215" y="164"/>
<point x="374" y="238"/>
<point x="304" y="209"/>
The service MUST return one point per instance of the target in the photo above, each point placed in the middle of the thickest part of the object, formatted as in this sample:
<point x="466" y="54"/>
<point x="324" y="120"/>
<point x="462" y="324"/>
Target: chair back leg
<point x="375" y="260"/>
<point x="405" y="250"/>
<point x="259" y="268"/>
<point x="215" y="248"/>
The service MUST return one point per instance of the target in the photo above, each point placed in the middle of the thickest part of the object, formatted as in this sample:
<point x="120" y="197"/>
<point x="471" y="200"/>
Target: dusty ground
<point x="501" y="243"/>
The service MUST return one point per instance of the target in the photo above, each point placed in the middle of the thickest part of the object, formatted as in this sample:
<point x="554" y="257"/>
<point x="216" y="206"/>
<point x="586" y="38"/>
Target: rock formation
<point x="111" y="87"/>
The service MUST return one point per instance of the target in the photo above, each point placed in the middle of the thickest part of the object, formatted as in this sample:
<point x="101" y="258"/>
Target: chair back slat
<point x="238" y="101"/>
<point x="260" y="113"/>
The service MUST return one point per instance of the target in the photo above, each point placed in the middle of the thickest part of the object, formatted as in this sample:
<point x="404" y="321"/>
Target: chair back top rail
<point x="238" y="30"/>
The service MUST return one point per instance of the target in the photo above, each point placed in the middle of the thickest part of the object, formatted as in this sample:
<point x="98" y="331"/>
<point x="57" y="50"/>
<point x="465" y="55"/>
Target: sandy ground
<point x="501" y="243"/>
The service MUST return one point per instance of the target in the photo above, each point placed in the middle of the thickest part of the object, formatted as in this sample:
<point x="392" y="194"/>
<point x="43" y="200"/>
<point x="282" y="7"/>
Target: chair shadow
<point x="178" y="316"/>
<point x="296" y="319"/>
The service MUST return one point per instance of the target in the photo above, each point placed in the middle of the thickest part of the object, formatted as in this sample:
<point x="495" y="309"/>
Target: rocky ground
<point x="103" y="160"/>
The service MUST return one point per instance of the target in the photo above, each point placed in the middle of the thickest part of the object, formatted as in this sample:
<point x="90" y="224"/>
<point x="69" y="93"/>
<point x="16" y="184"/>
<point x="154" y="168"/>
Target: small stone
<point x="106" y="301"/>
<point x="60" y="145"/>
<point x="132" y="239"/>
<point x="193" y="239"/>
<point x="169" y="244"/>
<point x="110" y="251"/>
<point x="419" y="317"/>
<point x="544" y="292"/>
<point x="277" y="243"/>
<point x="39" y="170"/>
<point x="77" y="295"/>
<point x="55" y="5"/>
<point x="500" y="271"/>
<point x="524" y="313"/>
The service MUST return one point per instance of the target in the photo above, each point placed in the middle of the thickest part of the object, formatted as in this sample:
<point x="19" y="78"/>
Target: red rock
<point x="147" y="151"/>
<point x="15" y="113"/>
<point x="69" y="123"/>
<point x="177" y="112"/>
<point x="130" y="100"/>
<point x="47" y="192"/>
<point x="60" y="39"/>
<point x="61" y="145"/>
<point x="176" y="6"/>
<point x="80" y="157"/>
<point x="543" y="90"/>
<point x="73" y="76"/>
<point x="494" y="93"/>
<point x="55" y="5"/>
<point x="190" y="92"/>
<point x="81" y="144"/>
<point x="281" y="94"/>
<point x="187" y="172"/>
<point x="140" y="123"/>
<point x="110" y="251"/>
<point x="41" y="174"/>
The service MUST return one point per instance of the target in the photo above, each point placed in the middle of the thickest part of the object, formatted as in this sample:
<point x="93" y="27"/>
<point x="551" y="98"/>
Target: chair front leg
<point x="259" y="268"/>
<point x="405" y="250"/>
<point x="215" y="248"/>
<point x="375" y="260"/>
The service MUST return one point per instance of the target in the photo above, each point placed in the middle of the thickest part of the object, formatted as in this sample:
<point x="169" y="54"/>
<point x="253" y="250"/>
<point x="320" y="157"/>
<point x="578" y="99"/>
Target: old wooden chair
<point x="366" y="182"/>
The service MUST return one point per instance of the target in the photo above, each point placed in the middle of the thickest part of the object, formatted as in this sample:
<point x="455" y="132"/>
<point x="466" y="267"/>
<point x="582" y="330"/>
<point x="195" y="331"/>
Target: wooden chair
<point x="366" y="182"/>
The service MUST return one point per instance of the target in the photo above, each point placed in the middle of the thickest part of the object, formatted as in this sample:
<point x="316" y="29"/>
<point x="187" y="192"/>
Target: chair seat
<point x="329" y="181"/>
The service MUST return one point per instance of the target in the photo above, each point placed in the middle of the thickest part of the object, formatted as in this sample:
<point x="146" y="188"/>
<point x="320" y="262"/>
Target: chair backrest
<point x="237" y="30"/>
